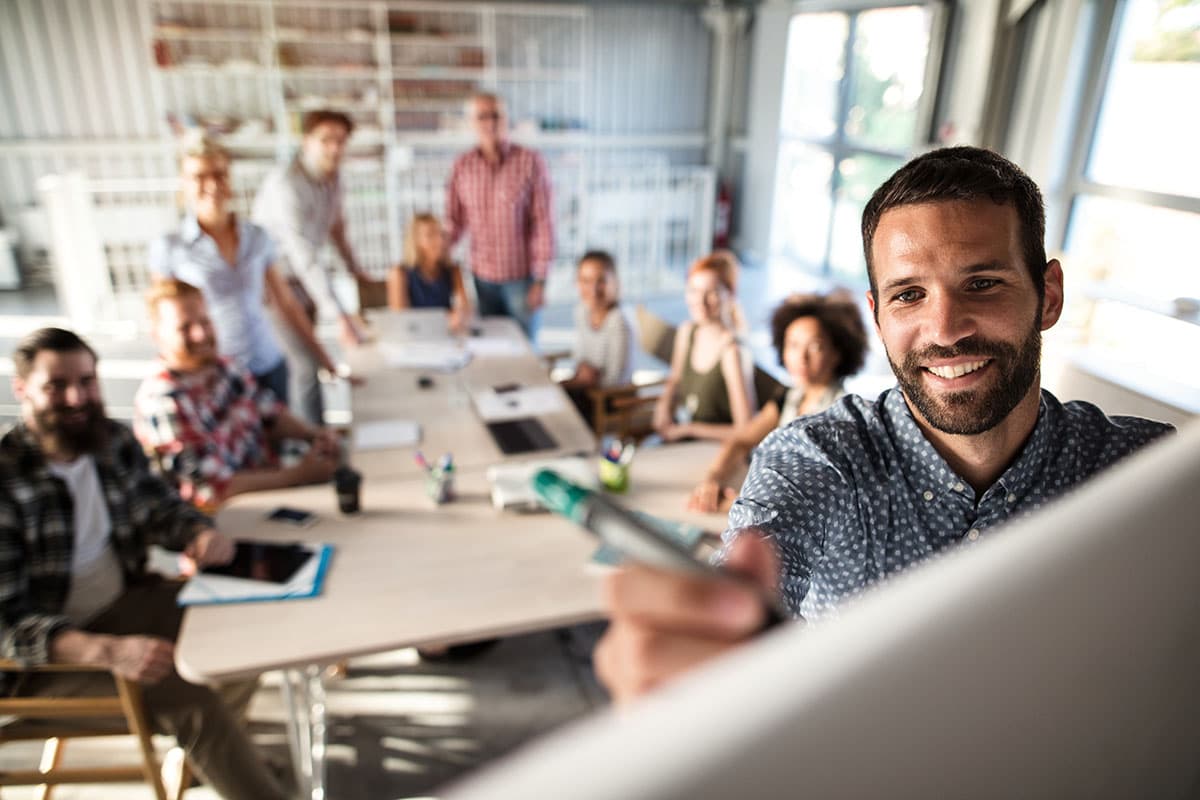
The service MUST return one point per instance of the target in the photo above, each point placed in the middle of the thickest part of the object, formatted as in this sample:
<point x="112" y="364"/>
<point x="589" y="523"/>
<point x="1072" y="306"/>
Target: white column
<point x="81" y="277"/>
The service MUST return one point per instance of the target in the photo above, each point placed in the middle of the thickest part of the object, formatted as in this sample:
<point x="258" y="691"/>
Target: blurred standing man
<point x="300" y="205"/>
<point x="500" y="193"/>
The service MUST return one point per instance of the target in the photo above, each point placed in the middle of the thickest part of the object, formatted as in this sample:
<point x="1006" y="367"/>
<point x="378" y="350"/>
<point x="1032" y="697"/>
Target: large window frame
<point x="840" y="146"/>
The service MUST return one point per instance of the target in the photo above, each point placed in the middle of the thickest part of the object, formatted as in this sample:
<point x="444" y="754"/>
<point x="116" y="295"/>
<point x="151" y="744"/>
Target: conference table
<point x="406" y="571"/>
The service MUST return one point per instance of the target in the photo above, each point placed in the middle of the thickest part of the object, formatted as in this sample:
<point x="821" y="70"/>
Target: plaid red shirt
<point x="204" y="427"/>
<point x="506" y="209"/>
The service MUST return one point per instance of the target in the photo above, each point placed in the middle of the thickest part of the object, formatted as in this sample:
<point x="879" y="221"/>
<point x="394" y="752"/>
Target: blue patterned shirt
<point x="857" y="493"/>
<point x="234" y="294"/>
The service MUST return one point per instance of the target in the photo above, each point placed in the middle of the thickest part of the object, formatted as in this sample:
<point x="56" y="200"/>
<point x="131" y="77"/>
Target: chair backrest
<point x="372" y="294"/>
<point x="765" y="385"/>
<point x="656" y="336"/>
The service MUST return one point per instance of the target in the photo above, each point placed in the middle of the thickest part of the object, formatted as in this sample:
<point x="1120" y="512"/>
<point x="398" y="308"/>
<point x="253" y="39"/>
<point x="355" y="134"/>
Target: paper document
<point x="207" y="589"/>
<point x="512" y="484"/>
<point x="386" y="434"/>
<point x="496" y="347"/>
<point x="524" y="401"/>
<point x="445" y="356"/>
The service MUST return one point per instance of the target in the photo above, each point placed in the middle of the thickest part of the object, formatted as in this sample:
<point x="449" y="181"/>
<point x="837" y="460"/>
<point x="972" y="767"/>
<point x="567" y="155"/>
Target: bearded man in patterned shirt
<point x="209" y="426"/>
<point x="961" y="291"/>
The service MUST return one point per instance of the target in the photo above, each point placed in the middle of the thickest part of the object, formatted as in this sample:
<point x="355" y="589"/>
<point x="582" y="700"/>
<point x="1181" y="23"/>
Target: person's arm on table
<point x="305" y="265"/>
<point x="712" y="493"/>
<point x="664" y="624"/>
<point x="337" y="233"/>
<point x="285" y="300"/>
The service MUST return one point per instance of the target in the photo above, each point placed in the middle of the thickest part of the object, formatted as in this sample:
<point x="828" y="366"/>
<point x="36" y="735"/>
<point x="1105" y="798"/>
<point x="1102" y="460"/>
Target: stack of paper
<point x="512" y="484"/>
<point x="496" y="347"/>
<point x="525" y="401"/>
<point x="386" y="434"/>
<point x="445" y="356"/>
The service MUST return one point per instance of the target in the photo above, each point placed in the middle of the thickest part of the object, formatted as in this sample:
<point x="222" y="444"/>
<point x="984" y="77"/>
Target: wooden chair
<point x="371" y="294"/>
<point x="54" y="720"/>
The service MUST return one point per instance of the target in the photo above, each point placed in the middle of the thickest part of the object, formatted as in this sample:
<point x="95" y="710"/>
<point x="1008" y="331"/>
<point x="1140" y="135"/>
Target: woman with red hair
<point x="709" y="392"/>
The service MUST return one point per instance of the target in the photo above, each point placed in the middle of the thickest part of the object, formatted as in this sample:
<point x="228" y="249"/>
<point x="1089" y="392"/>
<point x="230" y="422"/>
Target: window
<point x="1133" y="227"/>
<point x="855" y="102"/>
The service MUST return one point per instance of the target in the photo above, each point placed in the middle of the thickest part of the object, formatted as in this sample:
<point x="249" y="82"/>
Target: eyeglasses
<point x="488" y="115"/>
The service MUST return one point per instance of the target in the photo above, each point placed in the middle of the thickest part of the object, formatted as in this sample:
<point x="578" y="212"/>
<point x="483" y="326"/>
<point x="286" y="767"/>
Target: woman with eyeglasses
<point x="821" y="341"/>
<point x="231" y="261"/>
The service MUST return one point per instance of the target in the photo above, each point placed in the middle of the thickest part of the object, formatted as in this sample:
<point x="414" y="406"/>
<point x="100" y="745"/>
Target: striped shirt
<point x="37" y="532"/>
<point x="609" y="349"/>
<point x="857" y="493"/>
<point x="234" y="292"/>
<point x="299" y="212"/>
<point x="506" y="210"/>
<point x="204" y="427"/>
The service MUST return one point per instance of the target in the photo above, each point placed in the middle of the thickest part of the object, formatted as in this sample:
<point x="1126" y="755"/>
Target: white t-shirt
<point x="96" y="576"/>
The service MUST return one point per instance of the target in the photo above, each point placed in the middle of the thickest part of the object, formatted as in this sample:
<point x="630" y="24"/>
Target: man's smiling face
<point x="958" y="311"/>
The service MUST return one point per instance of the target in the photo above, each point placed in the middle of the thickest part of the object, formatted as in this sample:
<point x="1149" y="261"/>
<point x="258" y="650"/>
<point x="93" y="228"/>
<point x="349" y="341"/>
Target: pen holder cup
<point x="613" y="476"/>
<point x="440" y="485"/>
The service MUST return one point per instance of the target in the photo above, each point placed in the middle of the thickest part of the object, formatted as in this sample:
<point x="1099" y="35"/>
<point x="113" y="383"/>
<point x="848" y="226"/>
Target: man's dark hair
<point x="963" y="173"/>
<point x="839" y="318"/>
<point x="54" y="339"/>
<point x="322" y="115"/>
<point x="603" y="256"/>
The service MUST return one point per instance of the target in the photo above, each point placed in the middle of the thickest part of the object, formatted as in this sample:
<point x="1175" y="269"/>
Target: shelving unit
<point x="396" y="67"/>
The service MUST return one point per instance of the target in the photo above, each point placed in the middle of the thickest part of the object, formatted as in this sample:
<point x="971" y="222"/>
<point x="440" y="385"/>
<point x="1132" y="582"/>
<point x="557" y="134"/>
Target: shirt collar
<point x="928" y="471"/>
<point x="506" y="149"/>
<point x="189" y="229"/>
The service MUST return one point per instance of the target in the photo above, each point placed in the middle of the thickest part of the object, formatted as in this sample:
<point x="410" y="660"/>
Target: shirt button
<point x="1012" y="498"/>
<point x="973" y="534"/>
<point x="958" y="487"/>
<point x="928" y="495"/>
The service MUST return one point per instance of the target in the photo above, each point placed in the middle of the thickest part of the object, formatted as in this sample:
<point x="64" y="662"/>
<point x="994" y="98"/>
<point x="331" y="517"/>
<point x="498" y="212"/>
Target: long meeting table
<point x="406" y="571"/>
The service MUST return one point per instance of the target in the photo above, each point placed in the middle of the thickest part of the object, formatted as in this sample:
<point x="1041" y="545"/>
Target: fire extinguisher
<point x="722" y="216"/>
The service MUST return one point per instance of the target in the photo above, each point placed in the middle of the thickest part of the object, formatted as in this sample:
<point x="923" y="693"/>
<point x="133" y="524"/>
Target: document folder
<point x="206" y="588"/>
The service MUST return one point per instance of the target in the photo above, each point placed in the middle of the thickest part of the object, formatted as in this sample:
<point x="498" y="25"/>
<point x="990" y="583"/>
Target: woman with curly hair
<point x="821" y="341"/>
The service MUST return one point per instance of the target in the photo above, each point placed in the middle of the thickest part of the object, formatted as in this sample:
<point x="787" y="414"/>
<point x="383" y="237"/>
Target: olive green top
<point x="702" y="396"/>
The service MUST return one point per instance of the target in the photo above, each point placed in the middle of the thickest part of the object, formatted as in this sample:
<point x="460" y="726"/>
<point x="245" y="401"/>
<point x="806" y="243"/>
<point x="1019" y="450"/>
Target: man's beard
<point x="972" y="411"/>
<point x="89" y="434"/>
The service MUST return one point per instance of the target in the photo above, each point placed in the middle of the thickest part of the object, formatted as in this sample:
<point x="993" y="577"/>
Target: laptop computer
<point x="525" y="435"/>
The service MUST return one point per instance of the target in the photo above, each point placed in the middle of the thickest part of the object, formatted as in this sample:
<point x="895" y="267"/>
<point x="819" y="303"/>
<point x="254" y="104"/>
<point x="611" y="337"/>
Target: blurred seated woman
<point x="603" y="350"/>
<point x="427" y="278"/>
<point x="709" y="392"/>
<point x="821" y="341"/>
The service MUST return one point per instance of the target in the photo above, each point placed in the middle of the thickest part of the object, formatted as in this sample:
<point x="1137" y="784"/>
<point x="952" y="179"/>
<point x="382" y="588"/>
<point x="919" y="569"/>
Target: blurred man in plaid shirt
<point x="212" y="429"/>
<point x="499" y="193"/>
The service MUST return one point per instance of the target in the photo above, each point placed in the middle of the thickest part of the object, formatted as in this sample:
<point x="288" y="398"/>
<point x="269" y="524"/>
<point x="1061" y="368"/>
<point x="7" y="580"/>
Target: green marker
<point x="631" y="536"/>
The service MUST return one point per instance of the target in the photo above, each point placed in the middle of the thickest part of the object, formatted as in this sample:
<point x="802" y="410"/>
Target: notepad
<point x="208" y="589"/>
<point x="386" y="434"/>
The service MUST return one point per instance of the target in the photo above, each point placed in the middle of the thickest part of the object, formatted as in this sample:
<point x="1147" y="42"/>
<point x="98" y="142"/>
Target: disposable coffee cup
<point x="347" y="482"/>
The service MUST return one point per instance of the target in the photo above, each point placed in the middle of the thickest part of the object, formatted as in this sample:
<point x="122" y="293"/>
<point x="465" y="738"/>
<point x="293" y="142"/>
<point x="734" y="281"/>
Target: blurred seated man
<point x="211" y="428"/>
<point x="961" y="291"/>
<point x="78" y="508"/>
